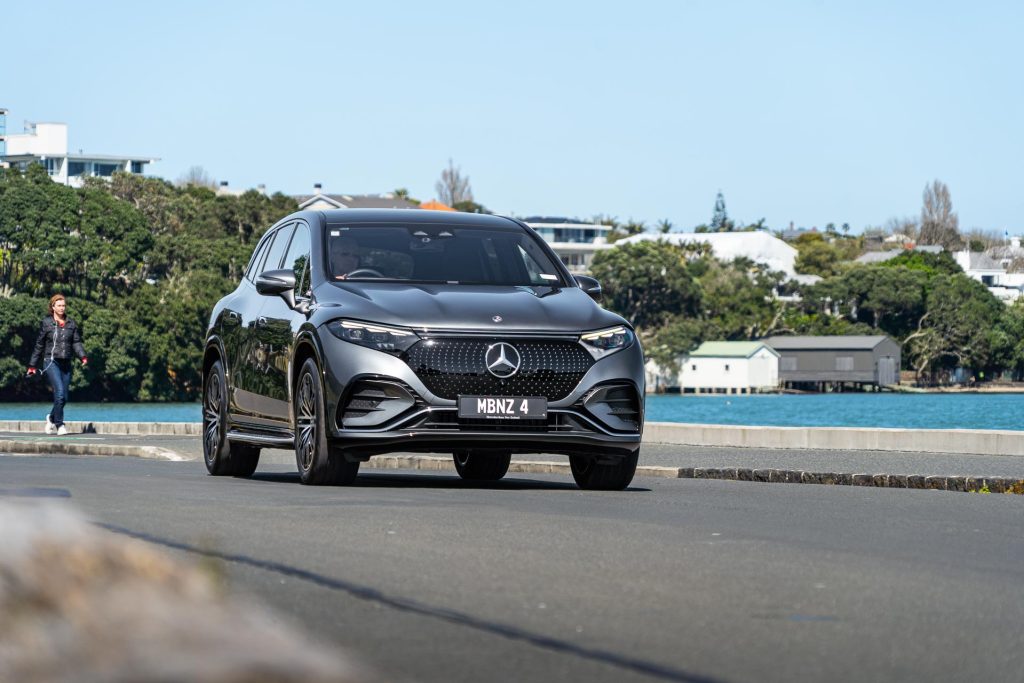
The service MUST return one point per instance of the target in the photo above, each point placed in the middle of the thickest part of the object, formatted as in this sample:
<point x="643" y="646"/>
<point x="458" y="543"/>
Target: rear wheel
<point x="317" y="461"/>
<point x="594" y="476"/>
<point x="222" y="457"/>
<point x="476" y="465"/>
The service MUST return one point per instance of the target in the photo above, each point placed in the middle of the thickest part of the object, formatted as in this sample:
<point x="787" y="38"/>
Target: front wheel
<point x="222" y="457"/>
<point x="318" y="463"/>
<point x="591" y="475"/>
<point x="474" y="465"/>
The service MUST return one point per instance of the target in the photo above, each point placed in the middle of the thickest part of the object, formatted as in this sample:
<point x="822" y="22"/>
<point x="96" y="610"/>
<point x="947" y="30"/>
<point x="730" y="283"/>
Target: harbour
<point x="882" y="410"/>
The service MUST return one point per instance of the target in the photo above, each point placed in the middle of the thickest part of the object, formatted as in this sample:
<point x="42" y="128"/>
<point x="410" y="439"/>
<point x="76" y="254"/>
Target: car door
<point x="240" y="309"/>
<point x="276" y="327"/>
<point x="253" y="366"/>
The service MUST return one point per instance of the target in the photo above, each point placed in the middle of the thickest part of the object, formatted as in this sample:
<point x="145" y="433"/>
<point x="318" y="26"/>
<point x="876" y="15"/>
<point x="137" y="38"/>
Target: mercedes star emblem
<point x="502" y="360"/>
<point x="497" y="318"/>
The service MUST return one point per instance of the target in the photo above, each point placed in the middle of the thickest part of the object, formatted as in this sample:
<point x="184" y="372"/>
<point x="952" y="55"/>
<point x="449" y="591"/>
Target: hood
<point x="522" y="309"/>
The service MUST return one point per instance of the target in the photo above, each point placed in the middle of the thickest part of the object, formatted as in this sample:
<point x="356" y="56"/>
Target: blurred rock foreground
<point x="79" y="604"/>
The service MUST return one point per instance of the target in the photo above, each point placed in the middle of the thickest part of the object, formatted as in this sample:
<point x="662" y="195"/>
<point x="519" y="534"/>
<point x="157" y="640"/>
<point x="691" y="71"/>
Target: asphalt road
<point x="430" y="579"/>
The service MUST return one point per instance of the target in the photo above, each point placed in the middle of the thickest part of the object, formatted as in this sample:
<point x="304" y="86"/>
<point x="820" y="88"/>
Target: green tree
<point x="1007" y="340"/>
<point x="678" y="337"/>
<point x="647" y="282"/>
<point x="815" y="256"/>
<point x="403" y="193"/>
<point x="142" y="262"/>
<point x="720" y="221"/>
<point x="469" y="206"/>
<point x="957" y="326"/>
<point x="928" y="263"/>
<point x="738" y="298"/>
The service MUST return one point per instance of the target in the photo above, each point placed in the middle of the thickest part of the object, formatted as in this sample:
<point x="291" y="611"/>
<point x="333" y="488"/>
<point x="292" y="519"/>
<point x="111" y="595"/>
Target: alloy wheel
<point x="306" y="420"/>
<point x="211" y="415"/>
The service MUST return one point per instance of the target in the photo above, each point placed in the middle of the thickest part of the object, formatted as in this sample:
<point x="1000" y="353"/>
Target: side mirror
<point x="591" y="286"/>
<point x="275" y="281"/>
<point x="279" y="282"/>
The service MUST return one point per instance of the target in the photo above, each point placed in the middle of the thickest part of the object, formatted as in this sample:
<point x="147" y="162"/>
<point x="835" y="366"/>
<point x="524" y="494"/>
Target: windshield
<point x="439" y="254"/>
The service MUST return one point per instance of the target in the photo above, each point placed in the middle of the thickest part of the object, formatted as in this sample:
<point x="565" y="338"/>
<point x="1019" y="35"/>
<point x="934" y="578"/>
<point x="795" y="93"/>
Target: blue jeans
<point x="58" y="372"/>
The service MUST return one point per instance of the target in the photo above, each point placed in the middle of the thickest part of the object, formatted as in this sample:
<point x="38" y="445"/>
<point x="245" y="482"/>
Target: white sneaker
<point x="62" y="430"/>
<point x="50" y="428"/>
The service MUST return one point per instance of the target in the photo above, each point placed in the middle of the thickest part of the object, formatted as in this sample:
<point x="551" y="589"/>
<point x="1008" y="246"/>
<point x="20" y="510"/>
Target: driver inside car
<point x="344" y="257"/>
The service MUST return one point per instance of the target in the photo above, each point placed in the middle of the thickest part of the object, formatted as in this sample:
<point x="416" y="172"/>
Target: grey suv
<point x="360" y="332"/>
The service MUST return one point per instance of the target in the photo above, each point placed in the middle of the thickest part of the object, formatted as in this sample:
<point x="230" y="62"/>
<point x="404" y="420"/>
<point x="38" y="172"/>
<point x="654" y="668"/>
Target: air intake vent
<point x="617" y="406"/>
<point x="370" y="403"/>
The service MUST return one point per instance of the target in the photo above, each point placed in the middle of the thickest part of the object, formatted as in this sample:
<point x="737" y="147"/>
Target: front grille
<point x="453" y="367"/>
<point x="449" y="420"/>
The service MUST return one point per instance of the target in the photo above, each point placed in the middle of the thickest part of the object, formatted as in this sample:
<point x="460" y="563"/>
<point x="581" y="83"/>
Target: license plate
<point x="504" y="407"/>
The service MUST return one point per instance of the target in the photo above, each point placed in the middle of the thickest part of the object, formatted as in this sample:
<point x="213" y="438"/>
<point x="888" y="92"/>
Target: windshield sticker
<point x="335" y="233"/>
<point x="545" y="276"/>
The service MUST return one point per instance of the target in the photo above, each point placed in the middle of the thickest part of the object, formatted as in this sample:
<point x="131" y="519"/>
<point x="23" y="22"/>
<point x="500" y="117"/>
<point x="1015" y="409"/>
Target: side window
<point x="537" y="277"/>
<point x="273" y="261"/>
<point x="297" y="259"/>
<point x="257" y="257"/>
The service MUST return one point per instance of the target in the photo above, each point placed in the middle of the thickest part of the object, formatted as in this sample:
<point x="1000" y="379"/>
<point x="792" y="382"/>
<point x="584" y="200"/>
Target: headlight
<point x="392" y="340"/>
<point x="604" y="342"/>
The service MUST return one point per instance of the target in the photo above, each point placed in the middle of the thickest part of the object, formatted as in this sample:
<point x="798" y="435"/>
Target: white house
<point x="724" y="367"/>
<point x="320" y="200"/>
<point x="758" y="246"/>
<point x="47" y="144"/>
<point x="991" y="273"/>
<point x="575" y="243"/>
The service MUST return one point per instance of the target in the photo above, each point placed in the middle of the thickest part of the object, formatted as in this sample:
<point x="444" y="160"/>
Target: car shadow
<point x="405" y="480"/>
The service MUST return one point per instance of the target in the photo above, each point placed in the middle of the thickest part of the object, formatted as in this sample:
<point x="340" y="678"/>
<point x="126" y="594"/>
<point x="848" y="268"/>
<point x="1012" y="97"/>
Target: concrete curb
<point x="52" y="448"/>
<point x="127" y="428"/>
<point x="894" y="481"/>
<point x="959" y="441"/>
<point x="773" y="476"/>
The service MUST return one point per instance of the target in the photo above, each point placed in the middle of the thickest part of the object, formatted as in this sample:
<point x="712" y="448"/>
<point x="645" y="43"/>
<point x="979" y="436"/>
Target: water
<point x="910" y="411"/>
<point x="106" y="412"/>
<point x="913" y="411"/>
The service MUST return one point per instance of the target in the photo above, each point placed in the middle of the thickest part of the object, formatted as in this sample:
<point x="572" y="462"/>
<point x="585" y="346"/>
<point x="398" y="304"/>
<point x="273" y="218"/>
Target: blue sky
<point x="809" y="112"/>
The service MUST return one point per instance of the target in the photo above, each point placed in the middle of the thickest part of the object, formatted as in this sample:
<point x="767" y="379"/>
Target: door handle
<point x="261" y="321"/>
<point x="232" y="316"/>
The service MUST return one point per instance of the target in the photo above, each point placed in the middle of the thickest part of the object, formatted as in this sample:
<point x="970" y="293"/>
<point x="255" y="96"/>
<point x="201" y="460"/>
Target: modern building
<point x="980" y="266"/>
<point x="1011" y="259"/>
<point x="756" y="245"/>
<point x="730" y="367"/>
<point x="224" y="189"/>
<point x="989" y="268"/>
<point x="830" y="363"/>
<point x="574" y="242"/>
<point x="1009" y="256"/>
<point x="47" y="144"/>
<point x="319" y="200"/>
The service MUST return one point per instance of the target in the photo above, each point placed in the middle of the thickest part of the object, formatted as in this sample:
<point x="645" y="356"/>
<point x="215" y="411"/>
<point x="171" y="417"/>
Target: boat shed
<point x="724" y="367"/>
<point x="832" y="363"/>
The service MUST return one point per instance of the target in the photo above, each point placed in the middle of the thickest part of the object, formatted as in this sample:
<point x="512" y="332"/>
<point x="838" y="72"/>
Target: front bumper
<point x="402" y="414"/>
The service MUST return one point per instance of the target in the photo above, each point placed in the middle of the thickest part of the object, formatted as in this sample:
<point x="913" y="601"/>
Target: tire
<point x="317" y="461"/>
<point x="223" y="458"/>
<point x="593" y="476"/>
<point x="474" y="465"/>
